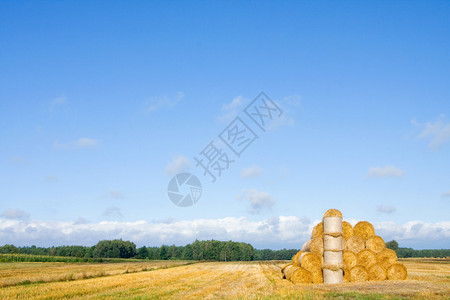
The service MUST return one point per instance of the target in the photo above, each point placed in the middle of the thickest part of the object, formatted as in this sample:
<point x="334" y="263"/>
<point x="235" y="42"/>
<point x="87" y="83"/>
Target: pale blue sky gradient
<point x="363" y="85"/>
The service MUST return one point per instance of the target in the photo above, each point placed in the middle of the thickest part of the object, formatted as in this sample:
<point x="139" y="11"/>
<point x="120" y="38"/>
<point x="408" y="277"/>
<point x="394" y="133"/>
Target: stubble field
<point x="427" y="278"/>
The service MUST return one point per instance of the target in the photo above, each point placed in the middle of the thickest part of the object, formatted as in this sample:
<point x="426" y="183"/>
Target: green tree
<point x="392" y="245"/>
<point x="114" y="249"/>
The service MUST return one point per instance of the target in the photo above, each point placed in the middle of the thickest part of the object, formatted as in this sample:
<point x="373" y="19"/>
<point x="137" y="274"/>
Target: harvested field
<point x="427" y="278"/>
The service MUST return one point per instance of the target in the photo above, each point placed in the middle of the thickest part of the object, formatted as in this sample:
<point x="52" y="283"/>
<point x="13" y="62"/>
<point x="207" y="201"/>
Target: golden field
<point x="427" y="278"/>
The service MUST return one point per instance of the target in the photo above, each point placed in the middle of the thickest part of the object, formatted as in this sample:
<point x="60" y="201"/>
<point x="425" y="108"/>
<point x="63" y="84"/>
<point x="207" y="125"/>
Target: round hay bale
<point x="332" y="225"/>
<point x="364" y="229"/>
<point x="317" y="231"/>
<point x="397" y="271"/>
<point x="333" y="257"/>
<point x="331" y="243"/>
<point x="316" y="245"/>
<point x="358" y="274"/>
<point x="300" y="275"/>
<point x="332" y="213"/>
<point x="305" y="246"/>
<point x="284" y="267"/>
<point x="346" y="272"/>
<point x="376" y="272"/>
<point x="386" y="257"/>
<point x="366" y="258"/>
<point x="333" y="276"/>
<point x="375" y="243"/>
<point x="354" y="243"/>
<point x="317" y="276"/>
<point x="295" y="258"/>
<point x="288" y="271"/>
<point x="347" y="230"/>
<point x="310" y="261"/>
<point x="349" y="258"/>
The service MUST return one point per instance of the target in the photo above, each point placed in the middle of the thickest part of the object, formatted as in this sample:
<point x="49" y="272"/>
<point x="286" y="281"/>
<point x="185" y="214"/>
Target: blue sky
<point x="101" y="103"/>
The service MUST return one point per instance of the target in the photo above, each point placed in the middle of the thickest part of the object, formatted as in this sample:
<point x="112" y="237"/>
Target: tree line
<point x="198" y="250"/>
<point x="409" y="252"/>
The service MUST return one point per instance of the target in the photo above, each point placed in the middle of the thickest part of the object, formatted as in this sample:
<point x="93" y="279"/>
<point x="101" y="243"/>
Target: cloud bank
<point x="277" y="232"/>
<point x="388" y="171"/>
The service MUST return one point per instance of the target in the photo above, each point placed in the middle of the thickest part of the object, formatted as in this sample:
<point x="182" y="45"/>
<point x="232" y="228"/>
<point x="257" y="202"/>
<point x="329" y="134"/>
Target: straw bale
<point x="364" y="229"/>
<point x="375" y="243"/>
<point x="366" y="258"/>
<point x="354" y="243"/>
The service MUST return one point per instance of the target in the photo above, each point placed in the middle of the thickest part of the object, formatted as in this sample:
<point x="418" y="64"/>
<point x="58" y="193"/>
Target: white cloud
<point x="422" y="234"/>
<point x="179" y="163"/>
<point x="388" y="171"/>
<point x="281" y="231"/>
<point x="157" y="103"/>
<point x="18" y="159"/>
<point x="58" y="101"/>
<point x="112" y="211"/>
<point x="389" y="209"/>
<point x="231" y="110"/>
<point x="15" y="213"/>
<point x="437" y="132"/>
<point x="285" y="230"/>
<point x="257" y="200"/>
<point x="446" y="194"/>
<point x="85" y="143"/>
<point x="116" y="194"/>
<point x="251" y="172"/>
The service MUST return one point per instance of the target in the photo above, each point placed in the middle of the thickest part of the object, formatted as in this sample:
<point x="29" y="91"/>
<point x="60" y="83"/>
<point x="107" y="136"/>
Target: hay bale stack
<point x="347" y="230"/>
<point x="338" y="252"/>
<point x="366" y="258"/>
<point x="364" y="229"/>
<point x="354" y="243"/>
<point x="358" y="274"/>
<point x="333" y="245"/>
<point x="375" y="243"/>
<point x="350" y="259"/>
<point x="376" y="272"/>
<point x="397" y="271"/>
<point x="386" y="258"/>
